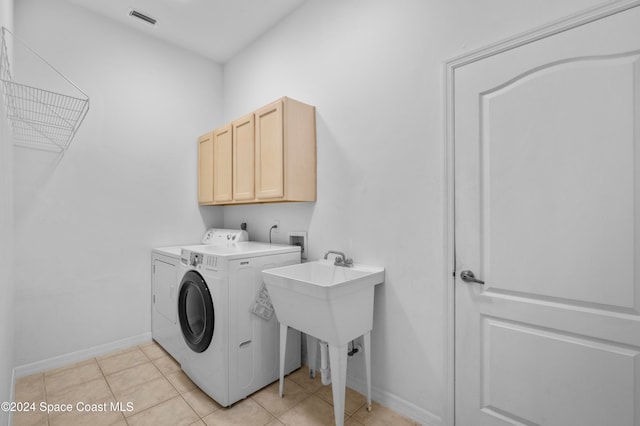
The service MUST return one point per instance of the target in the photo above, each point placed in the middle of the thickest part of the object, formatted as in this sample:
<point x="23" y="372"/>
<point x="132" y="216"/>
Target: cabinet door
<point x="243" y="159"/>
<point x="270" y="151"/>
<point x="205" y="169"/>
<point x="222" y="165"/>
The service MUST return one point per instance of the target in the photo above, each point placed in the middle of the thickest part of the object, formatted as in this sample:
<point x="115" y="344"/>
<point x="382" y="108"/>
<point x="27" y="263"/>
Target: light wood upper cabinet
<point x="286" y="151"/>
<point x="243" y="158"/>
<point x="266" y="156"/>
<point x="270" y="151"/>
<point x="205" y="168"/>
<point x="222" y="165"/>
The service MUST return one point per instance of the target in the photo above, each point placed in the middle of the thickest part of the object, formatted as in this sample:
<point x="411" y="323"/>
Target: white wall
<point x="374" y="70"/>
<point x="86" y="221"/>
<point x="6" y="240"/>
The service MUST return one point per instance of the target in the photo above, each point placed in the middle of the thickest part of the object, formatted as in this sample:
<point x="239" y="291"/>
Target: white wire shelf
<point x="40" y="118"/>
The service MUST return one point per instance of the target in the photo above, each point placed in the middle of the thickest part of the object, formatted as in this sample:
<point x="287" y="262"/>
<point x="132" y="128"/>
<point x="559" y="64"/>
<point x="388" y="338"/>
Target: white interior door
<point x="547" y="211"/>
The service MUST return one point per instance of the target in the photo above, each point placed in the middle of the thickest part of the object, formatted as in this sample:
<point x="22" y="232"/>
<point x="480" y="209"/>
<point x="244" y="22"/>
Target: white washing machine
<point x="227" y="350"/>
<point x="165" y="328"/>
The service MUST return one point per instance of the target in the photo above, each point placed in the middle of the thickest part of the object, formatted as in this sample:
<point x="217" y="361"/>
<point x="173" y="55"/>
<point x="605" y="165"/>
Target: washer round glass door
<point x="195" y="311"/>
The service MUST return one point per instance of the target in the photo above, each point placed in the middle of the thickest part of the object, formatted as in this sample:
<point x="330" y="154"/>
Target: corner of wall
<point x="392" y="401"/>
<point x="7" y="373"/>
<point x="12" y="395"/>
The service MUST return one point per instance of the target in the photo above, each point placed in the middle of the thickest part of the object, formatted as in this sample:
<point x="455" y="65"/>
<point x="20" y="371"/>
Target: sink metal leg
<point x="338" y="360"/>
<point x="312" y="355"/>
<point x="366" y="338"/>
<point x="283" y="352"/>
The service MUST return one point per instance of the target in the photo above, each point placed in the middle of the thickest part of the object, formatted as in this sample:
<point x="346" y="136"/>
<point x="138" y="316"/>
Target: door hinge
<point x="154" y="299"/>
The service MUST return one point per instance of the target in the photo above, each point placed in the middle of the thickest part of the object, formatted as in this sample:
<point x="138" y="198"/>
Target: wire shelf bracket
<point x="40" y="118"/>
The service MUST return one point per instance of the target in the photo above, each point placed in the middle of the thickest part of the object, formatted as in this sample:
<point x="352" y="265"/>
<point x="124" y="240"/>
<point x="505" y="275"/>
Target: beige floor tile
<point x="200" y="402"/>
<point x="244" y="413"/>
<point x="89" y="416"/>
<point x="134" y="376"/>
<point x="147" y="395"/>
<point x="153" y="350"/>
<point x="181" y="381"/>
<point x="55" y="371"/>
<point x="30" y="388"/>
<point x="122" y="361"/>
<point x="381" y="416"/>
<point x="30" y="418"/>
<point x="270" y="399"/>
<point x="63" y="378"/>
<point x="91" y="391"/>
<point x="353" y="400"/>
<point x="174" y="412"/>
<point x="313" y="411"/>
<point x="301" y="377"/>
<point x="166" y="364"/>
<point x="161" y="393"/>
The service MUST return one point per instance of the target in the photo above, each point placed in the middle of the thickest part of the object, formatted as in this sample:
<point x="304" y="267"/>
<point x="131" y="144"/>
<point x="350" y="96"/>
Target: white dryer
<point x="228" y="351"/>
<point x="164" y="305"/>
<point x="165" y="328"/>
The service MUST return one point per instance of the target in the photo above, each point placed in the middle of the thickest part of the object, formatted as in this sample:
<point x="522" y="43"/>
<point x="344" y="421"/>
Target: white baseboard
<point x="397" y="404"/>
<point x="81" y="355"/>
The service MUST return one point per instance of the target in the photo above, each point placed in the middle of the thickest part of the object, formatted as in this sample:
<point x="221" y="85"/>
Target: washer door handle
<point x="469" y="277"/>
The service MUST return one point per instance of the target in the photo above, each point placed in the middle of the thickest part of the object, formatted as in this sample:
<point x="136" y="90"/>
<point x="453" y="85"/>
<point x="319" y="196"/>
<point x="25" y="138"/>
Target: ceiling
<point x="217" y="29"/>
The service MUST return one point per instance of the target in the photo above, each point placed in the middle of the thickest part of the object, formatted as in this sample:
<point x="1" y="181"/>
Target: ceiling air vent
<point x="143" y="17"/>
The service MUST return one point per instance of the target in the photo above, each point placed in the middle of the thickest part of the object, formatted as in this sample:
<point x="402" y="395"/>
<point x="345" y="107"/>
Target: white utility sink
<point x="323" y="279"/>
<point x="331" y="303"/>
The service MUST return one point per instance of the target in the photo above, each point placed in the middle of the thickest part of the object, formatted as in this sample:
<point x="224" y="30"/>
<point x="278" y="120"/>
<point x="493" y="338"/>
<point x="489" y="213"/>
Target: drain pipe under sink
<point x="325" y="369"/>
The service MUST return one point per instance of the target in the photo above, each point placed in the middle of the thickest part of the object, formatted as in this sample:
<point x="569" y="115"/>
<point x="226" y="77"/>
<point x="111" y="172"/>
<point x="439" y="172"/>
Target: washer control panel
<point x="195" y="259"/>
<point x="198" y="260"/>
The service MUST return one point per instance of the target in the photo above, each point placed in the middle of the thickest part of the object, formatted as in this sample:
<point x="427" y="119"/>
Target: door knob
<point x="468" y="277"/>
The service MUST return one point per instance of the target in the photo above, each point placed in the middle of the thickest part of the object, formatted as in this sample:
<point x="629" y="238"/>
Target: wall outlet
<point x="299" y="239"/>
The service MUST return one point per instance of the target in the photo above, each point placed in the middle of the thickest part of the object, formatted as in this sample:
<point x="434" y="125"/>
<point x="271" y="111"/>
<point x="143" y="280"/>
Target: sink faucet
<point x="341" y="258"/>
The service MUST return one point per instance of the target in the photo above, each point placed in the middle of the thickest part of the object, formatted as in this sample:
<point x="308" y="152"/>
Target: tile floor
<point x="161" y="394"/>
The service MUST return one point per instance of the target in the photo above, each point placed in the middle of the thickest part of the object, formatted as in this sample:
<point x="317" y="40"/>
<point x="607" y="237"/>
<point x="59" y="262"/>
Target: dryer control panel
<point x="214" y="236"/>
